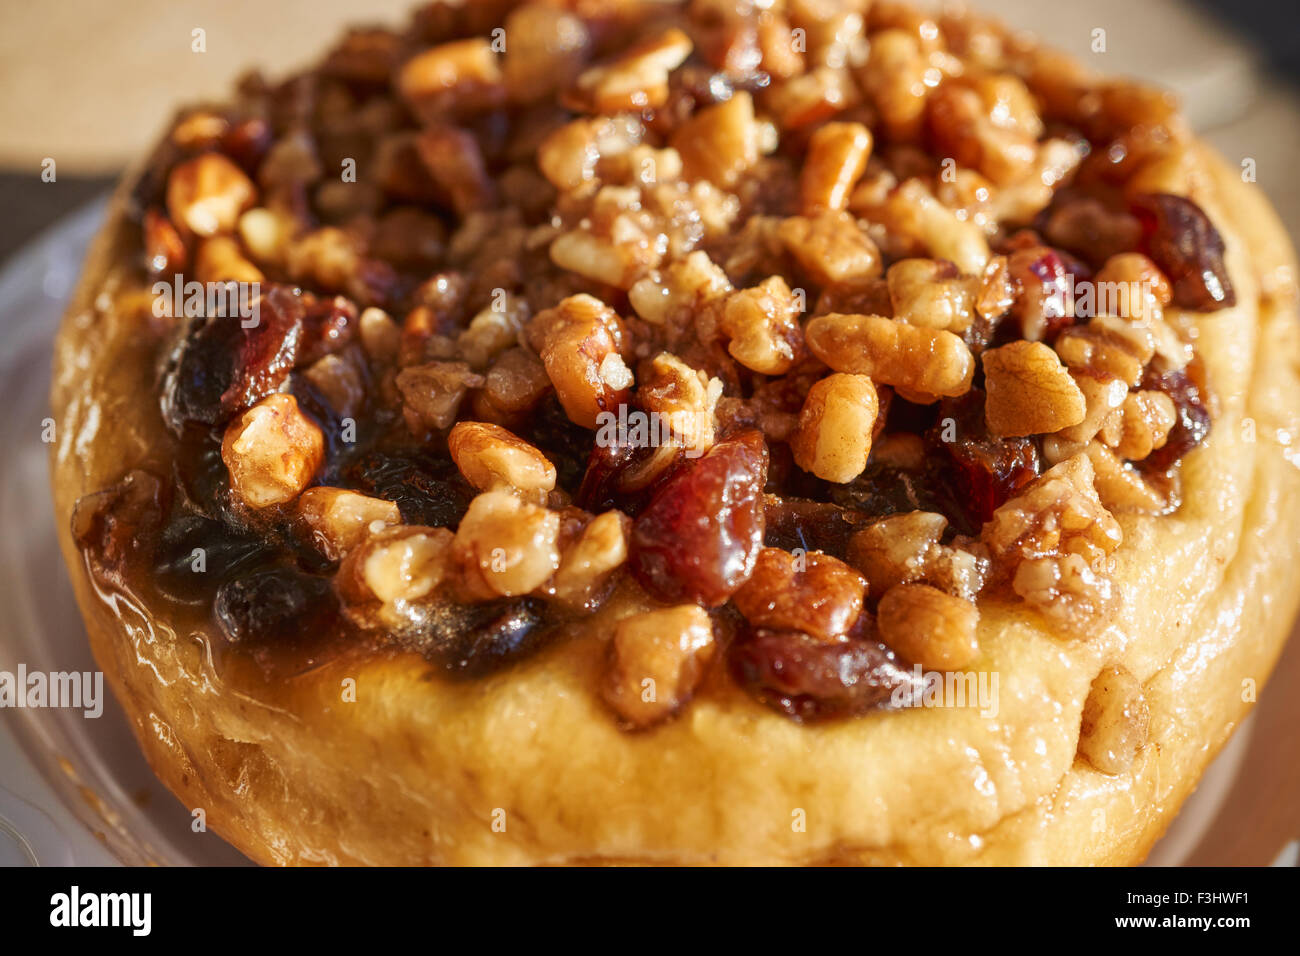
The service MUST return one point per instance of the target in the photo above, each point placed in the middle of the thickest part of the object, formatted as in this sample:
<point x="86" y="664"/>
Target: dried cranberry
<point x="1044" y="279"/>
<point x="698" y="538"/>
<point x="472" y="640"/>
<point x="223" y="368"/>
<point x="1192" y="424"/>
<point x="809" y="679"/>
<point x="1181" y="240"/>
<point x="278" y="605"/>
<point x="987" y="470"/>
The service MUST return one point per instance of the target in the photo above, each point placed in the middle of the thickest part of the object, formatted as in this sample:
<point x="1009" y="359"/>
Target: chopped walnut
<point x="1116" y="721"/>
<point x="1029" y="391"/>
<point x="506" y="546"/>
<point x="1102" y="396"/>
<point x="493" y="330"/>
<point x="514" y="385"/>
<point x="719" y="143"/>
<point x="811" y="97"/>
<point x="432" y="393"/>
<point x="656" y="659"/>
<point x="1147" y="417"/>
<point x="492" y="458"/>
<point x="579" y="345"/>
<point x="272" y="451"/>
<point x="1121" y="488"/>
<point x="988" y="123"/>
<point x="1108" y="346"/>
<point x="1140" y="287"/>
<point x="220" y="259"/>
<point x="906" y="548"/>
<point x="338" y="520"/>
<point x="570" y="156"/>
<point x="637" y="79"/>
<point x="545" y="50"/>
<point x="340" y="379"/>
<point x="380" y="335"/>
<point x="831" y="248"/>
<point x="837" y="157"/>
<point x="929" y="292"/>
<point x="928" y="627"/>
<point x="833" y="437"/>
<point x="894" y="77"/>
<point x="763" y="324"/>
<point x="683" y="397"/>
<point x="461" y="78"/>
<point x="391" y="567"/>
<point x="680" y="288"/>
<point x="588" y="563"/>
<point x="914" y="213"/>
<point x="1056" y="537"/>
<point x="809" y="592"/>
<point x="922" y="363"/>
<point x="206" y="194"/>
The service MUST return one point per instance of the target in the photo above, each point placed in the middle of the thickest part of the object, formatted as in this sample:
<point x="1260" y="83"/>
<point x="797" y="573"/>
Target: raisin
<point x="247" y="142"/>
<point x="698" y="538"/>
<point x="1192" y="424"/>
<point x="195" y="553"/>
<point x="428" y="490"/>
<point x="610" y="479"/>
<point x="277" y="605"/>
<point x="808" y="679"/>
<point x="473" y="640"/>
<point x="987" y="470"/>
<point x="224" y="368"/>
<point x="118" y="524"/>
<point x="327" y="326"/>
<point x="792" y="523"/>
<point x="1180" y="239"/>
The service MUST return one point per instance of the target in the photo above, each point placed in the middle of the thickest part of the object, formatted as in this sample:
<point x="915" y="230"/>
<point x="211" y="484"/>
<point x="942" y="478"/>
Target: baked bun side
<point x="420" y="768"/>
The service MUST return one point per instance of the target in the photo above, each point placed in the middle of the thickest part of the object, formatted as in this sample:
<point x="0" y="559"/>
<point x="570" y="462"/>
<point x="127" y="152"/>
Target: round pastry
<point x="574" y="432"/>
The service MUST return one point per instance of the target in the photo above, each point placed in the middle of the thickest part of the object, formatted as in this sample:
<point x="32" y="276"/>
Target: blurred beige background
<point x="90" y="84"/>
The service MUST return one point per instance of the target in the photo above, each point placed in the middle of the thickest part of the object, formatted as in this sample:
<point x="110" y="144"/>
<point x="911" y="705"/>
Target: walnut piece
<point x="493" y="458"/>
<point x="833" y="437"/>
<point x="1055" y="537"/>
<point x="810" y="592"/>
<point x="338" y="520"/>
<point x="928" y="627"/>
<point x="505" y="546"/>
<point x="1029" y="391"/>
<point x="272" y="452"/>
<point x="924" y="364"/>
<point x="1116" y="721"/>
<point x="655" y="661"/>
